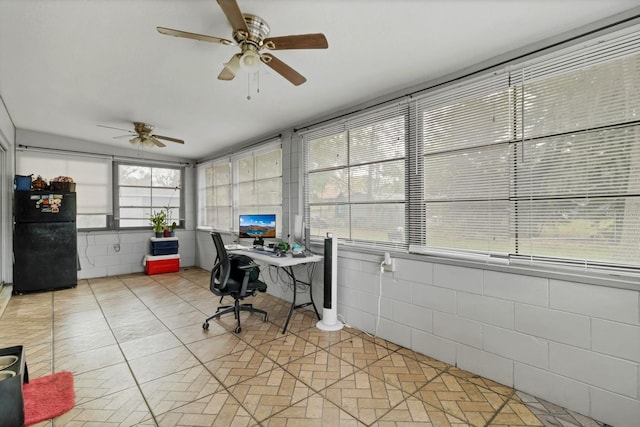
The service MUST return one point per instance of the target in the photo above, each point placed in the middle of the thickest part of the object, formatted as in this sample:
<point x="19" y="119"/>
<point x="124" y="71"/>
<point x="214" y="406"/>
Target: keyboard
<point x="235" y="247"/>
<point x="262" y="251"/>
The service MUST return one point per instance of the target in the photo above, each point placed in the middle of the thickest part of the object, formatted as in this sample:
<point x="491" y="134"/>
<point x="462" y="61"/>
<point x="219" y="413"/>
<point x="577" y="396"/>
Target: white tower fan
<point x="329" y="320"/>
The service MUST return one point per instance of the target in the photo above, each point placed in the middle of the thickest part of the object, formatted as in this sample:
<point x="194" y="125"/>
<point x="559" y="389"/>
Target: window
<point x="90" y="173"/>
<point x="218" y="200"/>
<point x="355" y="179"/>
<point x="144" y="189"/>
<point x="259" y="184"/>
<point x="535" y="162"/>
<point x="249" y="182"/>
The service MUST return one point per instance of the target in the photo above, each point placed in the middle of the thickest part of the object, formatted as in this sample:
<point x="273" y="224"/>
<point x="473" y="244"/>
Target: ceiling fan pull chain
<point x="248" y="86"/>
<point x="258" y="81"/>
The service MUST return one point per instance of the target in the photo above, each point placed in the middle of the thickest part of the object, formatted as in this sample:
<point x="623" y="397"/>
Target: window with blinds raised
<point x="355" y="179"/>
<point x="536" y="162"/>
<point x="249" y="182"/>
<point x="142" y="190"/>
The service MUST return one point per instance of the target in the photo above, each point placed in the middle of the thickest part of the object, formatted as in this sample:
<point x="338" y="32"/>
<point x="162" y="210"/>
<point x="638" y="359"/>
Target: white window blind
<point x="538" y="162"/>
<point x="259" y="183"/>
<point x="576" y="178"/>
<point x="462" y="201"/>
<point x="91" y="174"/>
<point x="355" y="178"/>
<point x="248" y="182"/>
<point x="216" y="195"/>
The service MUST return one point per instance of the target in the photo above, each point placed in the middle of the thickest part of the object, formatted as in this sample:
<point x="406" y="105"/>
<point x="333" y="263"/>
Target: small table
<point x="287" y="263"/>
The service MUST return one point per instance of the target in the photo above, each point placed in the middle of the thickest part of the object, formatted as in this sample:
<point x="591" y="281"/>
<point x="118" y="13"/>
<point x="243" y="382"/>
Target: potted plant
<point x="159" y="222"/>
<point x="172" y="231"/>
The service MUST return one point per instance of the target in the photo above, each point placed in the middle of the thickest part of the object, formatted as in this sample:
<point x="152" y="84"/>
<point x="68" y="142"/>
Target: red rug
<point x="48" y="397"/>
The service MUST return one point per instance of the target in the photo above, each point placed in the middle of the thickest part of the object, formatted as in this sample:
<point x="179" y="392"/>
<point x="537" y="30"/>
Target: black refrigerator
<point x="45" y="241"/>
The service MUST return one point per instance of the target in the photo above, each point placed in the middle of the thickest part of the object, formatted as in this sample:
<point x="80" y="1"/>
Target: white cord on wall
<point x="379" y="297"/>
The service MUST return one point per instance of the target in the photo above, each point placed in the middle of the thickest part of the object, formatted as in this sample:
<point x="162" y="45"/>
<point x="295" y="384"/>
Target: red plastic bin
<point x="161" y="264"/>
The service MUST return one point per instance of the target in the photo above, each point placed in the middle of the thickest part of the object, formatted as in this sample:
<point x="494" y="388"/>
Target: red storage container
<point x="161" y="264"/>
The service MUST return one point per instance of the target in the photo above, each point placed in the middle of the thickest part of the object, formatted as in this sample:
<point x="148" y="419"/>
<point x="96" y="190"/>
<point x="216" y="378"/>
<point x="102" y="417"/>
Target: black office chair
<point x="233" y="276"/>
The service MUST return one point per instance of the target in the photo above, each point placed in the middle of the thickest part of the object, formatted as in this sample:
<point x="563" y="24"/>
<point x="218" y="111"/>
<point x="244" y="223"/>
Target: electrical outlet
<point x="391" y="265"/>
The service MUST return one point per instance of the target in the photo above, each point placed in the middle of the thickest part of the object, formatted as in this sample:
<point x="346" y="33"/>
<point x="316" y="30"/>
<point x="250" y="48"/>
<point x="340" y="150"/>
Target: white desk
<point x="287" y="263"/>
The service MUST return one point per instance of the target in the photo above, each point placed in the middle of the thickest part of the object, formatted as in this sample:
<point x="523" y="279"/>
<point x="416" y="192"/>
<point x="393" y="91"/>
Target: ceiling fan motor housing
<point x="258" y="31"/>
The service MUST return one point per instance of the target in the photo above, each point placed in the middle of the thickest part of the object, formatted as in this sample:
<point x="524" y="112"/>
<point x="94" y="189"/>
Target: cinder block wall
<point x="574" y="344"/>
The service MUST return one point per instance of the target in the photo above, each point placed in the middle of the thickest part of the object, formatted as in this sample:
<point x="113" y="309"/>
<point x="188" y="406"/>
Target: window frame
<point x="116" y="193"/>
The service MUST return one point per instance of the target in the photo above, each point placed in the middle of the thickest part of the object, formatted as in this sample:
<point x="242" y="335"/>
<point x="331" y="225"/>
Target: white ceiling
<point x="69" y="65"/>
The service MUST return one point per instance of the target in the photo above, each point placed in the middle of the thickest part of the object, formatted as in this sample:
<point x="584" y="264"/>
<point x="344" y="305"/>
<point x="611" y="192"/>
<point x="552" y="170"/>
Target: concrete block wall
<point x="99" y="256"/>
<point x="574" y="344"/>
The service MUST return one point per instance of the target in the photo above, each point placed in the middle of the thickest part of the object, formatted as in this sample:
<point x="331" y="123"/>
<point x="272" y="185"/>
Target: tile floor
<point x="139" y="356"/>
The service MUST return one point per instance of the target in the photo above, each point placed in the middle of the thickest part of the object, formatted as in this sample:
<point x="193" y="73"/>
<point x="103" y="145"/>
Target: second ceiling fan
<point x="250" y="34"/>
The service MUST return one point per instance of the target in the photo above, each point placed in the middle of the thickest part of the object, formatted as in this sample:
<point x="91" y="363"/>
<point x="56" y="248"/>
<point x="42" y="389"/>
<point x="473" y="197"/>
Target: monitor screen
<point x="259" y="225"/>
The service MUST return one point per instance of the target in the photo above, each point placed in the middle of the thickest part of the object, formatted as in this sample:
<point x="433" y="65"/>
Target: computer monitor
<point x="257" y="226"/>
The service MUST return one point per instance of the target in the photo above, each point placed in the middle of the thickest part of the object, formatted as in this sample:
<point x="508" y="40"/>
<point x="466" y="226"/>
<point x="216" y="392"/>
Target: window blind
<point x="259" y="184"/>
<point x="247" y="182"/>
<point x="576" y="178"/>
<point x="460" y="198"/>
<point x="355" y="178"/>
<point x="91" y="174"/>
<point x="216" y="199"/>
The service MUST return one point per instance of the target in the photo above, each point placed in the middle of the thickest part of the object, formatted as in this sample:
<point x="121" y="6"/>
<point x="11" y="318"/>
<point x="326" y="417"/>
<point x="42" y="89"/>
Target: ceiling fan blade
<point x="156" y="142"/>
<point x="123" y="136"/>
<point x="300" y="41"/>
<point x="124" y="130"/>
<point x="194" y="36"/>
<point x="234" y="15"/>
<point x="179" y="141"/>
<point x="230" y="68"/>
<point x="283" y="69"/>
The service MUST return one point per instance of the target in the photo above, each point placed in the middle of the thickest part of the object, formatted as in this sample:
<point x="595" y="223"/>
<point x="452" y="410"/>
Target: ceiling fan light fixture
<point x="233" y="64"/>
<point x="249" y="61"/>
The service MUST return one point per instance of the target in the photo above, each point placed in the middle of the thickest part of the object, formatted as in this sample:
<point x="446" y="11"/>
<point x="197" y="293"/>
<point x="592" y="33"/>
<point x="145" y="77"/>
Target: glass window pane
<point x="478" y="226"/>
<point x="91" y="221"/>
<point x="246" y="169"/>
<point x="161" y="177"/>
<point x="329" y="219"/>
<point x="601" y="230"/>
<point x="269" y="165"/>
<point x="330" y="151"/>
<point x="378" y="181"/>
<point x="248" y="195"/>
<point x="269" y="191"/>
<point x="221" y="174"/>
<point x="378" y="141"/>
<point x="383" y="222"/>
<point x="135" y="196"/>
<point x="134" y="175"/>
<point x="136" y="213"/>
<point x="328" y="186"/>
<point x="222" y="195"/>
